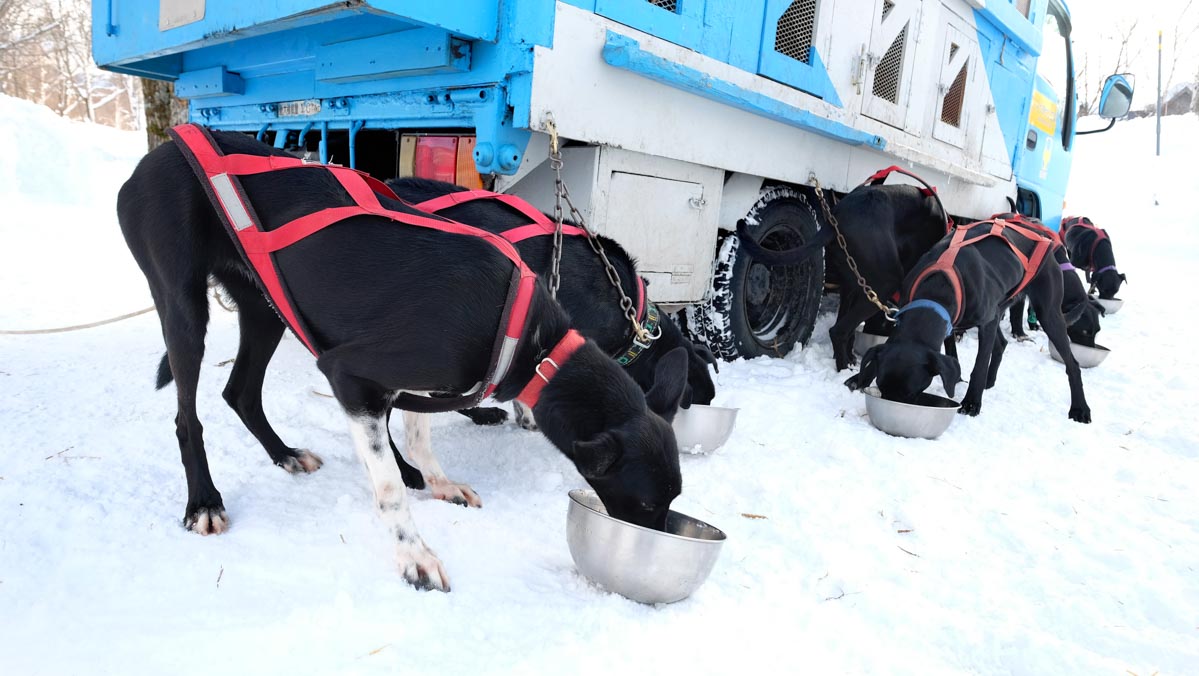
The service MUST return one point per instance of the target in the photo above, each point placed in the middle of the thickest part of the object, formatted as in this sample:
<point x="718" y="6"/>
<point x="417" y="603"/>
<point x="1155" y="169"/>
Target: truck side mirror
<point x="1117" y="96"/>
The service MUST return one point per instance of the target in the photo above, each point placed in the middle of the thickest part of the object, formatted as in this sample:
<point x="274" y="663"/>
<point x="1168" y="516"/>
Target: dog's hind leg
<point x="996" y="356"/>
<point x="184" y="320"/>
<point x="973" y="401"/>
<point x="1050" y="314"/>
<point x="260" y="332"/>
<point x="419" y="444"/>
<point x="366" y="407"/>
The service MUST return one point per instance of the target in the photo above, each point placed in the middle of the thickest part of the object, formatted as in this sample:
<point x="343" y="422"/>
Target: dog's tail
<point x="789" y="257"/>
<point x="164" y="373"/>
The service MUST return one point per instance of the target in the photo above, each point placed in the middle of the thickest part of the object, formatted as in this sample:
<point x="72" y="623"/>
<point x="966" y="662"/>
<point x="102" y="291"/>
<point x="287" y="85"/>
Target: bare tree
<point x="1185" y="27"/>
<point x="45" y="57"/>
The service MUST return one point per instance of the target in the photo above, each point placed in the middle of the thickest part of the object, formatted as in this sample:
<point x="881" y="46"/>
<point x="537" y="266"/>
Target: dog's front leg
<point x="418" y="564"/>
<point x="524" y="416"/>
<point x="973" y="401"/>
<point x="419" y="444"/>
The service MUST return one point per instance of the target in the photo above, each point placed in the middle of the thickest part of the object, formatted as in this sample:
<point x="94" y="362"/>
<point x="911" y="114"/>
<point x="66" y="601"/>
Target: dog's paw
<point x="420" y="567"/>
<point x="1022" y="337"/>
<point x="524" y="418"/>
<point x="1081" y="414"/>
<point x="303" y="462"/>
<point x="207" y="520"/>
<point x="486" y="415"/>
<point x="970" y="408"/>
<point x="459" y="494"/>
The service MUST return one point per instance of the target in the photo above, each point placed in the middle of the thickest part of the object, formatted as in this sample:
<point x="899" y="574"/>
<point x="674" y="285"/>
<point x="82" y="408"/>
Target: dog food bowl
<point x="863" y="341"/>
<point x="1087" y="357"/>
<point x="1110" y="305"/>
<point x="925" y="418"/>
<point x="703" y="429"/>
<point x="641" y="564"/>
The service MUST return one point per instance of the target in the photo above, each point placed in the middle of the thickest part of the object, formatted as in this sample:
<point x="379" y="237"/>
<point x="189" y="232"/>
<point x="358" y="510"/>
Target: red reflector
<point x="436" y="157"/>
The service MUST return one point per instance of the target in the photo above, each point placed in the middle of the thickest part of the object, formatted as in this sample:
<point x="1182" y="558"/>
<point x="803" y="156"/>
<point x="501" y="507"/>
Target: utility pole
<point x="1159" y="93"/>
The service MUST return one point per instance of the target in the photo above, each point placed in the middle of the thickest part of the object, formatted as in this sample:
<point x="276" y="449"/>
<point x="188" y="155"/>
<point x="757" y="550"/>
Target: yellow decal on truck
<point x="1044" y="113"/>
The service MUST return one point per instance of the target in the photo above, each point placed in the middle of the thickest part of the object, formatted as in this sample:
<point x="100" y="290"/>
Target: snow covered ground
<point x="1018" y="543"/>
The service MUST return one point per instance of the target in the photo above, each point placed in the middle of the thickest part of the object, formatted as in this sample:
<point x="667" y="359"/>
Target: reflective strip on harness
<point x="997" y="228"/>
<point x="217" y="172"/>
<point x="541" y="225"/>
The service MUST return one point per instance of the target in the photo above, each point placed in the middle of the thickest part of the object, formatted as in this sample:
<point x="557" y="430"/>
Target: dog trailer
<point x="679" y="117"/>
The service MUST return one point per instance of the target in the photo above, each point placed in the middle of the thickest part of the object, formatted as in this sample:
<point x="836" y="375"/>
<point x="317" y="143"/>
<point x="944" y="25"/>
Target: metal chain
<point x="562" y="193"/>
<point x="889" y="312"/>
<point x="556" y="164"/>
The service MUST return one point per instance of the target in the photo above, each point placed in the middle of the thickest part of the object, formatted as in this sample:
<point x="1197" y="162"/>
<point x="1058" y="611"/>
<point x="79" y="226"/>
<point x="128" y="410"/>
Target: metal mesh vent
<point x="951" y="106"/>
<point x="888" y="5"/>
<point x="668" y="5"/>
<point x="953" y="50"/>
<point x="886" y="76"/>
<point x="793" y="36"/>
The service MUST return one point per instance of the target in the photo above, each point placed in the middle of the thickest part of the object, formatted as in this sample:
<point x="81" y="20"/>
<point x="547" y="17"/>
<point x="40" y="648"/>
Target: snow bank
<point x="1018" y="543"/>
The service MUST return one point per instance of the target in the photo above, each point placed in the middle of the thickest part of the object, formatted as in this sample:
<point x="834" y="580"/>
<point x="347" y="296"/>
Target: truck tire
<point x="752" y="309"/>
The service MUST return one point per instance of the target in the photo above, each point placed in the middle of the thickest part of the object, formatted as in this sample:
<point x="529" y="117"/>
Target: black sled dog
<point x="887" y="228"/>
<point x="1091" y="250"/>
<point x="395" y="311"/>
<point x="968" y="280"/>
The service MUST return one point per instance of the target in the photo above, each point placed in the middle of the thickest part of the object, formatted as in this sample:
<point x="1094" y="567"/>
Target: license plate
<point x="298" y="108"/>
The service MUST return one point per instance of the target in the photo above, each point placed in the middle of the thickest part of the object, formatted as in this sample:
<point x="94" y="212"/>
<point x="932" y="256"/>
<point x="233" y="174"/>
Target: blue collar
<point x="929" y="305"/>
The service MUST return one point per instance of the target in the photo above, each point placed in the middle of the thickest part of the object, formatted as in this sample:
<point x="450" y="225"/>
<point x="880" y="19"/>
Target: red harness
<point x="1085" y="223"/>
<point x="995" y="228"/>
<point x="218" y="174"/>
<point x="1040" y="228"/>
<point x="539" y="225"/>
<point x="880" y="177"/>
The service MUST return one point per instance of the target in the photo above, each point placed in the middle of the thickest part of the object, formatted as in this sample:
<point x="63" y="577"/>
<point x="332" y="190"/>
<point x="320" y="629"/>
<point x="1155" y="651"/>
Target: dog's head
<point x="634" y="466"/>
<point x="1084" y="329"/>
<point x="905" y="369"/>
<point x="1108" y="282"/>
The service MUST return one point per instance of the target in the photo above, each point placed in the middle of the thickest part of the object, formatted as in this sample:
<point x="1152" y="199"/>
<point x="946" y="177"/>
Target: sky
<point x="1098" y="23"/>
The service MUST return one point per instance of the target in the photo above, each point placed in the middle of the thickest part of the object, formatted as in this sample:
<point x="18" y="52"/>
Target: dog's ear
<point x="949" y="370"/>
<point x="594" y="458"/>
<point x="869" y="370"/>
<point x="1123" y="278"/>
<point x="670" y="379"/>
<point x="1097" y="306"/>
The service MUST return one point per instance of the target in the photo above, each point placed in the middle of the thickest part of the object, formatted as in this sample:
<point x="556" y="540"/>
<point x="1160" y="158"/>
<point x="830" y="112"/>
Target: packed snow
<point x="1018" y="543"/>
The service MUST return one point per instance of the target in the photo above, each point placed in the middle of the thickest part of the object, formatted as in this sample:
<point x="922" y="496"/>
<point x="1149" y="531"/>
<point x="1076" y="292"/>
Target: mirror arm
<point x="1110" y="123"/>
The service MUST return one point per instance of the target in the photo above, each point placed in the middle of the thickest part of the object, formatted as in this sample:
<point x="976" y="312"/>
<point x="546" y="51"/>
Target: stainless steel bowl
<point x="925" y="418"/>
<point x="1111" y="305"/>
<point x="639" y="563"/>
<point x="703" y="429"/>
<point x="863" y="341"/>
<point x="1087" y="357"/>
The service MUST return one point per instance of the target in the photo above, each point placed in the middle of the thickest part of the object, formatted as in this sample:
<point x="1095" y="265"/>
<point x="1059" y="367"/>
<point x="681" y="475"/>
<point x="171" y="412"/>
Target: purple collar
<point x="1066" y="267"/>
<point x="1104" y="269"/>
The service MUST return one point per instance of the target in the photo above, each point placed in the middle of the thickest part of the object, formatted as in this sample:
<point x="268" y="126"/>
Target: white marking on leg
<point x="524" y="416"/>
<point x="418" y="443"/>
<point x="417" y="563"/>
